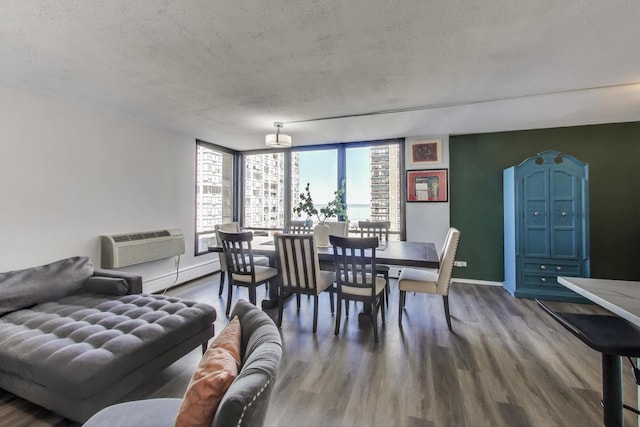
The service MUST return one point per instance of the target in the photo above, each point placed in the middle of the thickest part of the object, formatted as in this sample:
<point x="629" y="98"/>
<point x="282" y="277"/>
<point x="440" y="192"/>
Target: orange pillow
<point x="215" y="373"/>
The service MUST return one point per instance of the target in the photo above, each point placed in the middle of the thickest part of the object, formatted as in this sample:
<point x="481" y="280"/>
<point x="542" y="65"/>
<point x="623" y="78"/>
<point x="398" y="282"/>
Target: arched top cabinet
<point x="546" y="225"/>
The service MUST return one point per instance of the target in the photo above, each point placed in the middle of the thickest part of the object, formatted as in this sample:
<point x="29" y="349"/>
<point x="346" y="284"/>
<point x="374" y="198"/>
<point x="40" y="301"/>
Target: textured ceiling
<point x="224" y="71"/>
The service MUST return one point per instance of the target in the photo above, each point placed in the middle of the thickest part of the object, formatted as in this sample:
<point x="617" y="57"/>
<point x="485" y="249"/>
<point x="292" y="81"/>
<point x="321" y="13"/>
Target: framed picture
<point x="425" y="152"/>
<point x="427" y="185"/>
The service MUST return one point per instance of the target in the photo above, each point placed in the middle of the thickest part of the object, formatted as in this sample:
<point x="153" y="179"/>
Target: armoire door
<point x="565" y="199"/>
<point x="535" y="219"/>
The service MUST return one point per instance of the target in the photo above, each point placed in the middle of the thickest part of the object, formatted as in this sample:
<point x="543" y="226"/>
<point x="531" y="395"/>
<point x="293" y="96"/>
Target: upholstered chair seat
<point x="431" y="281"/>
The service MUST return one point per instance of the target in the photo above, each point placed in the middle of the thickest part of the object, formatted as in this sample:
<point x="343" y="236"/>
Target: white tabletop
<point x="621" y="297"/>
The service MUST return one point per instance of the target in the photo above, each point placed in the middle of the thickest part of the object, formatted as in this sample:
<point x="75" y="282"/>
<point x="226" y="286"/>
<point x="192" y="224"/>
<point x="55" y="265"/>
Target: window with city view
<point x="214" y="192"/>
<point x="373" y="185"/>
<point x="264" y="190"/>
<point x="271" y="183"/>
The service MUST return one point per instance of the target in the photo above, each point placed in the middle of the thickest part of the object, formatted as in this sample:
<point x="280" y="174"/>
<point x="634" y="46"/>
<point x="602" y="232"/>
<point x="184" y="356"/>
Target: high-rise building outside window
<point x="374" y="186"/>
<point x="214" y="192"/>
<point x="264" y="190"/>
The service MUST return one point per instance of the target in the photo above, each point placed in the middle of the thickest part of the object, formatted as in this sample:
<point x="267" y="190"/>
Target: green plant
<point x="334" y="208"/>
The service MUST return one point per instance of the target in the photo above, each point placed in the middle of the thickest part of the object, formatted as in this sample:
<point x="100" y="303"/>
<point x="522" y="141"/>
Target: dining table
<point x="621" y="297"/>
<point x="395" y="253"/>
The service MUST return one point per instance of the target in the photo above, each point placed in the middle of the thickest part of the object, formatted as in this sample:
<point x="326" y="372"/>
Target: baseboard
<point x="185" y="274"/>
<point x="476" y="282"/>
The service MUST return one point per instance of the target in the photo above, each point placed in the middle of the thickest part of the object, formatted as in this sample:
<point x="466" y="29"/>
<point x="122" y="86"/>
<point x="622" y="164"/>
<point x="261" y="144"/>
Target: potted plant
<point x="335" y="208"/>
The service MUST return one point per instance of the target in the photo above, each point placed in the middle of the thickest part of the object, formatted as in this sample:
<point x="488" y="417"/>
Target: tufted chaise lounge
<point x="79" y="350"/>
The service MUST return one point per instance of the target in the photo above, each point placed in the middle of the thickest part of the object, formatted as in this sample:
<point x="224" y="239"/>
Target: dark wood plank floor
<point x="506" y="364"/>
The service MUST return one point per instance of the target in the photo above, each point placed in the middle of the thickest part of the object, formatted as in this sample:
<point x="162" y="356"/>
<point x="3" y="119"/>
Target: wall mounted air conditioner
<point x="119" y="250"/>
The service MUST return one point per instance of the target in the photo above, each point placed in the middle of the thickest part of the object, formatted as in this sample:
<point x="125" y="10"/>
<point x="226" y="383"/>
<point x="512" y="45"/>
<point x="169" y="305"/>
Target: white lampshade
<point x="278" y="139"/>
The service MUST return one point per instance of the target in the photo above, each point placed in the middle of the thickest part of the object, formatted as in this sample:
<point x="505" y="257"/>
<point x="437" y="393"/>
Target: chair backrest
<point x="447" y="257"/>
<point x="247" y="400"/>
<point x="300" y="227"/>
<point x="233" y="227"/>
<point x="238" y="254"/>
<point x="375" y="228"/>
<point x="338" y="228"/>
<point x="298" y="260"/>
<point x="355" y="259"/>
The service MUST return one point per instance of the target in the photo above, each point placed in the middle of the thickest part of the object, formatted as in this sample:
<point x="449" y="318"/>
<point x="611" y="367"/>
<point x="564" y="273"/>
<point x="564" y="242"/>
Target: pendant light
<point x="278" y="140"/>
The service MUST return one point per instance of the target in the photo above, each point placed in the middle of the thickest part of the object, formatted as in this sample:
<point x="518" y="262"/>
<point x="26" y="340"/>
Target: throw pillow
<point x="107" y="285"/>
<point x="31" y="286"/>
<point x="215" y="373"/>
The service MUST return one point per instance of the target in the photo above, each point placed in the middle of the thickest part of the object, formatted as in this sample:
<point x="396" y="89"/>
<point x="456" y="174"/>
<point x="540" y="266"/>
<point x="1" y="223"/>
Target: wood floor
<point x="506" y="364"/>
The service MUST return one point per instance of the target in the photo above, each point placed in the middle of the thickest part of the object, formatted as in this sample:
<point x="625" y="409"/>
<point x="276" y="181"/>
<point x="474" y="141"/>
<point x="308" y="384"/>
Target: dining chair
<point x="429" y="280"/>
<point x="300" y="227"/>
<point x="233" y="227"/>
<point x="355" y="259"/>
<point x="300" y="272"/>
<point x="241" y="265"/>
<point x="381" y="230"/>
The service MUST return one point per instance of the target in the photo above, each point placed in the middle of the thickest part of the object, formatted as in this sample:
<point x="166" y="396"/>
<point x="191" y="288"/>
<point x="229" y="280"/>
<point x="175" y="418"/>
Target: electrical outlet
<point x="460" y="263"/>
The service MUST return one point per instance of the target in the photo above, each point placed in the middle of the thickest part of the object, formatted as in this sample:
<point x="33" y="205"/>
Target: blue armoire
<point x="546" y="225"/>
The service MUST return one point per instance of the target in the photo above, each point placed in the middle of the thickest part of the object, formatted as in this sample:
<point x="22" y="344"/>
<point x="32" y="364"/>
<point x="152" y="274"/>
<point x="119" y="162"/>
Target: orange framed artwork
<point x="425" y="152"/>
<point x="427" y="185"/>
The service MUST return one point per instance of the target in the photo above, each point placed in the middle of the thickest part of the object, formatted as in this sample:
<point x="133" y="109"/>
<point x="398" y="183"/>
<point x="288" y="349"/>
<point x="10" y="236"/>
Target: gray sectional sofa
<point x="75" y="340"/>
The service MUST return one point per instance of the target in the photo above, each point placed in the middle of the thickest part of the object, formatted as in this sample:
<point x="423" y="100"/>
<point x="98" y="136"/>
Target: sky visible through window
<point x="319" y="168"/>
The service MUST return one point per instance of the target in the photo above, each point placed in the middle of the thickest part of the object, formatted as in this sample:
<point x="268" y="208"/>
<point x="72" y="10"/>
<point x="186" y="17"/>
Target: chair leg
<point x="298" y="301"/>
<point x="222" y="274"/>
<point x="338" y="313"/>
<point x="382" y="305"/>
<point x="333" y="309"/>
<point x="315" y="313"/>
<point x="400" y="306"/>
<point x="204" y="347"/>
<point x="445" y="299"/>
<point x="387" y="288"/>
<point x="252" y="295"/>
<point x="346" y="307"/>
<point x="280" y="308"/>
<point x="374" y="320"/>
<point x="229" y="295"/>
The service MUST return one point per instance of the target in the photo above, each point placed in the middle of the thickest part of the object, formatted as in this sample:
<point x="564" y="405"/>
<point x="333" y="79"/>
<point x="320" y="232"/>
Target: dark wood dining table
<point x="398" y="253"/>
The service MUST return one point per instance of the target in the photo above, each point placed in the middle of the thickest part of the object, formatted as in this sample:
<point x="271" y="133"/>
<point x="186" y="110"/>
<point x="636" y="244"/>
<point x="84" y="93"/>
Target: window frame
<point x="234" y="191"/>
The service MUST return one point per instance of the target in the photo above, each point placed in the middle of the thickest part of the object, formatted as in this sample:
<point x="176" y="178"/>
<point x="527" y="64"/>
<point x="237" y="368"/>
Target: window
<point x="271" y="181"/>
<point x="319" y="169"/>
<point x="214" y="192"/>
<point x="374" y="190"/>
<point x="264" y="190"/>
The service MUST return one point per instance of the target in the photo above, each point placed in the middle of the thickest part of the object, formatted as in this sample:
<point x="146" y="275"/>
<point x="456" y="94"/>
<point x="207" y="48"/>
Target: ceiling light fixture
<point x="278" y="140"/>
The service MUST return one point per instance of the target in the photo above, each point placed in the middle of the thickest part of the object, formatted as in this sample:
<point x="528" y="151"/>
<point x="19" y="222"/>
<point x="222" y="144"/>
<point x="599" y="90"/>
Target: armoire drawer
<point x="552" y="268"/>
<point x="532" y="279"/>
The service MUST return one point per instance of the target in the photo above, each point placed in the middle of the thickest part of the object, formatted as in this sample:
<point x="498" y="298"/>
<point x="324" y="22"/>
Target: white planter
<point x="321" y="235"/>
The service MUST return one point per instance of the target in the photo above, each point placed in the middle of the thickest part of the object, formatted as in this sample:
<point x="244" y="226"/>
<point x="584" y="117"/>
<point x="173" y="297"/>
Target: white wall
<point x="428" y="222"/>
<point x="70" y="172"/>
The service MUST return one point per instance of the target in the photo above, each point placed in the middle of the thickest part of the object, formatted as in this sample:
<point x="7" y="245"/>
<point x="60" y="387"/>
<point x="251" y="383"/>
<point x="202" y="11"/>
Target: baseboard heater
<point x="120" y="250"/>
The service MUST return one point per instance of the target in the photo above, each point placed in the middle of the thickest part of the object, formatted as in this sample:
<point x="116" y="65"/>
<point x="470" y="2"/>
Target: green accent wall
<point x="613" y="154"/>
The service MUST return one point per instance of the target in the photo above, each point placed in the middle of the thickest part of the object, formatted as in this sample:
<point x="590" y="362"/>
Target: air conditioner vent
<point x="119" y="250"/>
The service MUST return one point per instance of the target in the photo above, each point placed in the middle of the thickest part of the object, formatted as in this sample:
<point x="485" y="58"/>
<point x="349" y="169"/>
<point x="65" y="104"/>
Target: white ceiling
<point x="224" y="71"/>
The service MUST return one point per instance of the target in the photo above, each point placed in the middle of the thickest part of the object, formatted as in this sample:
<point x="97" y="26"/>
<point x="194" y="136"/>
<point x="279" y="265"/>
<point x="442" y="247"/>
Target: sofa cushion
<point x="210" y="381"/>
<point x="24" y="288"/>
<point x="83" y="343"/>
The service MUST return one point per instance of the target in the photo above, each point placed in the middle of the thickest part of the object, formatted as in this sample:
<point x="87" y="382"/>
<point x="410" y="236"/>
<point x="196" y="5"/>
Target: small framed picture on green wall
<point x="429" y="185"/>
